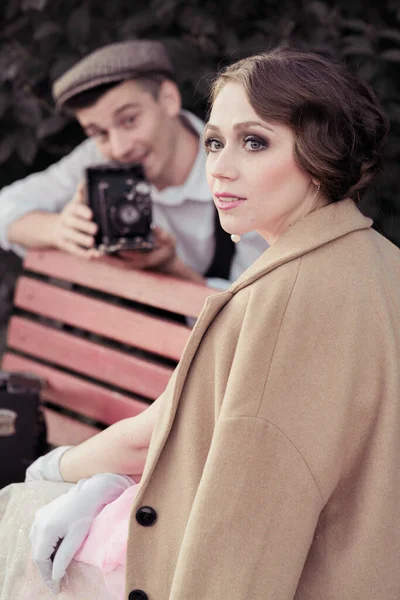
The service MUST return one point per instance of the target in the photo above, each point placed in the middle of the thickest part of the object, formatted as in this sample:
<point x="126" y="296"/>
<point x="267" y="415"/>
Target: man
<point x="125" y="98"/>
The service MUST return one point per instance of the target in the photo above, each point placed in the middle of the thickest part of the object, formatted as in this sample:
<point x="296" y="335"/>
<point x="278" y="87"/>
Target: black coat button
<point x="146" y="516"/>
<point x="138" y="595"/>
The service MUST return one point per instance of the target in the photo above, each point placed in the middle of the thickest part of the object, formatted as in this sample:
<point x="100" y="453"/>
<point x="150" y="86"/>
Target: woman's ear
<point x="316" y="182"/>
<point x="170" y="98"/>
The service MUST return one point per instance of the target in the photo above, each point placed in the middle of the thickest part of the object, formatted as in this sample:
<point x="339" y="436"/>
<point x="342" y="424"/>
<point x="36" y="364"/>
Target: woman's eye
<point x="254" y="143"/>
<point x="212" y="145"/>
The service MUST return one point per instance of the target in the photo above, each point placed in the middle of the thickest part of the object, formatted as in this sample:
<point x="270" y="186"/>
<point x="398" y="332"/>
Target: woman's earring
<point x="235" y="237"/>
<point x="317" y="189"/>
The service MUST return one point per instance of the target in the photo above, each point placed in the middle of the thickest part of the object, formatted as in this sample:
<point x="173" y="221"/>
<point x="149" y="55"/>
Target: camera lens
<point x="128" y="214"/>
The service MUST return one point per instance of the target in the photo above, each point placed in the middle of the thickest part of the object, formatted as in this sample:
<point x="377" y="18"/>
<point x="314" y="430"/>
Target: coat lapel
<point x="314" y="230"/>
<point x="211" y="308"/>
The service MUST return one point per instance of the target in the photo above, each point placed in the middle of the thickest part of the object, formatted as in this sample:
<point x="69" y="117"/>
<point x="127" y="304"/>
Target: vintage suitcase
<point x="22" y="425"/>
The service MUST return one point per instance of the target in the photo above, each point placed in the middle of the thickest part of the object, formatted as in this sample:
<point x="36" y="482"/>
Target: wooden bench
<point x="105" y="339"/>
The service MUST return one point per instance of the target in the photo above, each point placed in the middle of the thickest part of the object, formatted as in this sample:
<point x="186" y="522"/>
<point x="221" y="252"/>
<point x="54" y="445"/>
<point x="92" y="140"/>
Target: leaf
<point x="391" y="55"/>
<point x="229" y="40"/>
<point x="4" y="102"/>
<point x="27" y="148"/>
<point x="369" y="70"/>
<point x="27" y="111"/>
<point x="109" y="10"/>
<point x="62" y="64"/>
<point x="390" y="34"/>
<point x="11" y="10"/>
<point x="78" y="27"/>
<point x="164" y="10"/>
<point x="355" y="25"/>
<point x="159" y="7"/>
<point x="250" y="45"/>
<point x="358" y="45"/>
<point x="10" y="63"/>
<point x="140" y="22"/>
<point x="207" y="46"/>
<point x="47" y="29"/>
<point x="12" y="71"/>
<point x="320" y="10"/>
<point x="197" y="21"/>
<point x="183" y="54"/>
<point x="38" y="5"/>
<point x="7" y="146"/>
<point x="35" y="73"/>
<point x="51" y="126"/>
<point x="393" y="111"/>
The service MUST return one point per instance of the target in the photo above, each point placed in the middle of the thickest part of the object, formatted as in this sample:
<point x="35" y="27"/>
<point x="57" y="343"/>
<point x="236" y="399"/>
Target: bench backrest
<point x="104" y="338"/>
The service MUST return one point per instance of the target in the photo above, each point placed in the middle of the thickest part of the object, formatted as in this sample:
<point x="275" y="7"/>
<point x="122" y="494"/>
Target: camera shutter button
<point x="143" y="188"/>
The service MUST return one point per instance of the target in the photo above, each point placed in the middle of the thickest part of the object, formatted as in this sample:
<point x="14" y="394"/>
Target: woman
<point x="272" y="468"/>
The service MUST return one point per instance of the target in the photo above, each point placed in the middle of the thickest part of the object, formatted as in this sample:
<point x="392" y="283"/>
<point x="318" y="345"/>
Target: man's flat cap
<point x="114" y="62"/>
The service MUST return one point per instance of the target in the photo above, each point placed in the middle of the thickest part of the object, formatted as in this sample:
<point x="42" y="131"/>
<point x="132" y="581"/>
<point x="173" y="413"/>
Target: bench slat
<point x="127" y="326"/>
<point x="65" y="431"/>
<point x="175" y="295"/>
<point x="137" y="375"/>
<point x="78" y="395"/>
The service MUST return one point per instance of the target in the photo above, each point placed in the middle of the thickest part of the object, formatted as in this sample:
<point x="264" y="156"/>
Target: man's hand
<point x="158" y="259"/>
<point x="74" y="229"/>
<point x="162" y="259"/>
<point x="60" y="528"/>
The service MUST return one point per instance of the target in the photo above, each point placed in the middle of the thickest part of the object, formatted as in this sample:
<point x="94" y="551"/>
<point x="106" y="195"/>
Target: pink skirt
<point x="106" y="544"/>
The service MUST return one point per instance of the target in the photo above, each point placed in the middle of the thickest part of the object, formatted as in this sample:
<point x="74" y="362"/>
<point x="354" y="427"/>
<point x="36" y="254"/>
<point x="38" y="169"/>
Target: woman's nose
<point x="223" y="167"/>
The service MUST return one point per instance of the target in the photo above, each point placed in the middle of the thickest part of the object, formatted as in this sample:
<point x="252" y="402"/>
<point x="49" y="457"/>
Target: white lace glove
<point x="48" y="466"/>
<point x="66" y="521"/>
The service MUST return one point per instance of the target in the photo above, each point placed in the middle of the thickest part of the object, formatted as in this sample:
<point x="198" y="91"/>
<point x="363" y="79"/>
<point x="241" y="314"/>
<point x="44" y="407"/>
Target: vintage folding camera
<point x="119" y="197"/>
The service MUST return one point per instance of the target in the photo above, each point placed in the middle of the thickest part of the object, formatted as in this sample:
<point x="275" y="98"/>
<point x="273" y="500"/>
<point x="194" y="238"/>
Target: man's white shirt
<point x="186" y="211"/>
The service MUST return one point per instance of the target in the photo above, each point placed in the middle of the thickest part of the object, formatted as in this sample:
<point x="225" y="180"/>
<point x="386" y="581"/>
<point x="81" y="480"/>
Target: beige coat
<point x="274" y="470"/>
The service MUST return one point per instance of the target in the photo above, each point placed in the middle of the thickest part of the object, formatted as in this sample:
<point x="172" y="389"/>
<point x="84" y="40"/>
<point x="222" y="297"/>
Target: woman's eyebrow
<point x="240" y="126"/>
<point x="211" y="127"/>
<point x="245" y="124"/>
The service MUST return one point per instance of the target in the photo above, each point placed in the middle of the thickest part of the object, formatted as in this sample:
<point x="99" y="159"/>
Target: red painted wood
<point x="78" y="395"/>
<point x="137" y="329"/>
<point x="154" y="289"/>
<point x="66" y="431"/>
<point x="100" y="362"/>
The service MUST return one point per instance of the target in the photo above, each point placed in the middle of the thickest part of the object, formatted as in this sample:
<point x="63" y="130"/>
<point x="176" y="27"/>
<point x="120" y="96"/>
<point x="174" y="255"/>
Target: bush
<point x="40" y="39"/>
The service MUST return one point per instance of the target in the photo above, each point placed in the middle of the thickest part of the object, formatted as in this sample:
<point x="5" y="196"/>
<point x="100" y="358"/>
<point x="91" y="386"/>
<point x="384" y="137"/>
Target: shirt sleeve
<point x="253" y="517"/>
<point x="218" y="283"/>
<point x="49" y="190"/>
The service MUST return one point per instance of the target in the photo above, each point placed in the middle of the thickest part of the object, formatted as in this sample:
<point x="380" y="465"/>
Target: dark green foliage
<point x="40" y="39"/>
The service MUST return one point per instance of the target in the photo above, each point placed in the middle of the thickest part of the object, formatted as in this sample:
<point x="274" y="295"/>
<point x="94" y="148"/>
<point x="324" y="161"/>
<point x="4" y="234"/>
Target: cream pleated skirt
<point x="19" y="578"/>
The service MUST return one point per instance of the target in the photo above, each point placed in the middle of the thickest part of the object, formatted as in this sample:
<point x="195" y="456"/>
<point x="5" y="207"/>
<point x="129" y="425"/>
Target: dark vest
<point x="224" y="252"/>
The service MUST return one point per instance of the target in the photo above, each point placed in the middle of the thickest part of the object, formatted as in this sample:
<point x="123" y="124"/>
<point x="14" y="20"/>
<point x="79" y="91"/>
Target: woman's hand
<point x="47" y="467"/>
<point x="60" y="528"/>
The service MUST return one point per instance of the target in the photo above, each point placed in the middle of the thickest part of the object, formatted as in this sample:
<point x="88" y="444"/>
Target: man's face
<point x="130" y="125"/>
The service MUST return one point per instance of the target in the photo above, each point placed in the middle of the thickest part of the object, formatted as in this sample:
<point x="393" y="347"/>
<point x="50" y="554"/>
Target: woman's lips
<point x="223" y="202"/>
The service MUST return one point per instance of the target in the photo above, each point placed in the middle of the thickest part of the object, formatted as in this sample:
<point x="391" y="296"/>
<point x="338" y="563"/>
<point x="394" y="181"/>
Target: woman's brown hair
<point x="338" y="125"/>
